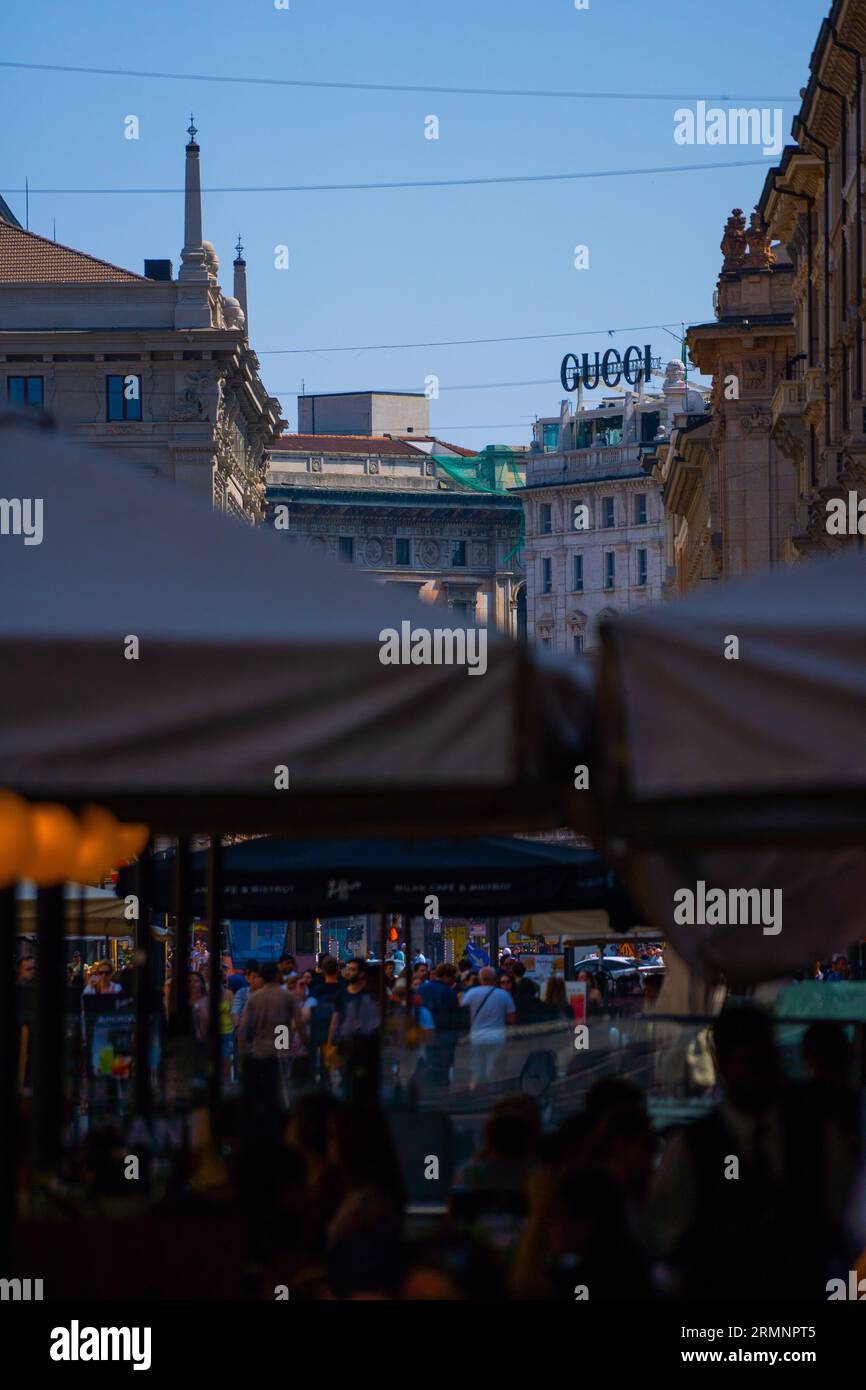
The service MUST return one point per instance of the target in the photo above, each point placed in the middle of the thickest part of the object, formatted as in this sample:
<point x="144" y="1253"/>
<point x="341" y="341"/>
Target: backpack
<point x="359" y="1018"/>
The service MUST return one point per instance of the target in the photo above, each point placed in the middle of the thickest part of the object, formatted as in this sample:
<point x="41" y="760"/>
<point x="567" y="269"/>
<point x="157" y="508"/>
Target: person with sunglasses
<point x="101" y="981"/>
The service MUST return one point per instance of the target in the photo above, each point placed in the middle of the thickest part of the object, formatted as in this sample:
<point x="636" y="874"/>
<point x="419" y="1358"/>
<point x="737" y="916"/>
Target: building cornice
<point x="342" y="497"/>
<point x="582" y="482"/>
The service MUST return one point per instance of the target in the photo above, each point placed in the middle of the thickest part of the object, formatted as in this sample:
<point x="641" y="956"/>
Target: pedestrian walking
<point x="264" y="1050"/>
<point x="440" y="997"/>
<point x="354" y="1035"/>
<point x="490" y="1011"/>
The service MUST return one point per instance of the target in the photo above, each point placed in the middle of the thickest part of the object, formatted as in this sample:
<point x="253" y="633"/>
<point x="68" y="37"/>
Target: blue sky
<point x="409" y="265"/>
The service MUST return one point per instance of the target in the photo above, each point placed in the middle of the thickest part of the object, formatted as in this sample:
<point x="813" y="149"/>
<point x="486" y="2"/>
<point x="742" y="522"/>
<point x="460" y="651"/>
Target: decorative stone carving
<point x="429" y="552"/>
<point x="733" y="243"/>
<point x="319" y="544"/>
<point x="480" y="554"/>
<point x="757" y="240"/>
<point x="191" y="405"/>
<point x="790" y="437"/>
<point x="758" y="421"/>
<point x="373" y="465"/>
<point x="374" y="551"/>
<point x="756" y="374"/>
<point x="315" y="465"/>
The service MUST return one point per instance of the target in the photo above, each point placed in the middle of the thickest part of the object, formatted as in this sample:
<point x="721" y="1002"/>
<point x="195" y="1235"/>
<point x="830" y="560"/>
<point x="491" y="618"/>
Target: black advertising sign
<point x="634" y="366"/>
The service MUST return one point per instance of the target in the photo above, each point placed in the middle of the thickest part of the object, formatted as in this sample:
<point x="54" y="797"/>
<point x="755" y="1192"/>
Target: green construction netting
<point x="488" y="472"/>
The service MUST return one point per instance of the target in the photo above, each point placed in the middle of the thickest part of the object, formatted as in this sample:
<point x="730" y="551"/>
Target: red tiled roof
<point x="355" y="444"/>
<point x="454" y="448"/>
<point x="26" y="258"/>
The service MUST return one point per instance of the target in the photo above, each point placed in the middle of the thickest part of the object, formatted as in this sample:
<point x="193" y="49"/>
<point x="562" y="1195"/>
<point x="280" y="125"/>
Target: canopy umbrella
<point x="278" y="880"/>
<point x="590" y="925"/>
<point x="185" y="670"/>
<point x="731" y="747"/>
<point x="100" y="913"/>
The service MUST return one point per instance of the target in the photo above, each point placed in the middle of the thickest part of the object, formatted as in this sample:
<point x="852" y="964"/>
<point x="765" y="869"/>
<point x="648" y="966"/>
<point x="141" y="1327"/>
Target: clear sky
<point x="416" y="265"/>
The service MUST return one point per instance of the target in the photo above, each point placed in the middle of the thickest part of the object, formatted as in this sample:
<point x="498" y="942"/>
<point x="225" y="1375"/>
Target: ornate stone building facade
<point x="158" y="368"/>
<point x="726" y="481"/>
<point x="412" y="514"/>
<point x="787" y="351"/>
<point x="595" y="528"/>
<point x="814" y="203"/>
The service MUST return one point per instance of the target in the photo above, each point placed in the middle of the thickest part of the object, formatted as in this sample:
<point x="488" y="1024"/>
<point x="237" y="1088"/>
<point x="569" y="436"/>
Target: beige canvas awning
<point x="102" y="913"/>
<point x="583" y="926"/>
<point x="732" y="745"/>
<point x="168" y="662"/>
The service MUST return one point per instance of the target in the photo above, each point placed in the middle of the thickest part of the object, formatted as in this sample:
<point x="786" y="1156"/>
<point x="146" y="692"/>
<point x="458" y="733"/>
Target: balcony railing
<point x="584" y="463"/>
<point x="789" y="400"/>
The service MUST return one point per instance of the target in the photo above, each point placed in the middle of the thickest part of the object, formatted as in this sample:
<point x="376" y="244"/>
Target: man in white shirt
<point x="490" y="1011"/>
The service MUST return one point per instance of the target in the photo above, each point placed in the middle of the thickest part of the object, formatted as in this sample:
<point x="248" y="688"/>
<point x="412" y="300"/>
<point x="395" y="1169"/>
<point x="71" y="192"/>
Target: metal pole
<point x="214" y="919"/>
<point x="143" y="984"/>
<point x="8" y="1078"/>
<point x="50" y="1018"/>
<point x="180" y="1011"/>
<point x="383" y="934"/>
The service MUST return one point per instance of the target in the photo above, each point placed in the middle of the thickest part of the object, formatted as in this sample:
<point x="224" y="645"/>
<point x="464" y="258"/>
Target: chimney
<point x="240" y="284"/>
<point x="157" y="270"/>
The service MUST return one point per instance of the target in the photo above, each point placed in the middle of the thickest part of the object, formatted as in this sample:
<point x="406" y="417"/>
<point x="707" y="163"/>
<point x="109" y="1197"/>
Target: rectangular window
<point x="608" y="513"/>
<point x="640" y="509"/>
<point x="609" y="570"/>
<point x="458" y="555"/>
<point x="649" y="424"/>
<point x="545" y="640"/>
<point x="346" y="549"/>
<point x="577" y="643"/>
<point x="546" y="518"/>
<point x="577" y="585"/>
<point x="25" y="390"/>
<point x="546" y="575"/>
<point x="463" y="611"/>
<point x="641" y="568"/>
<point x="123" y="397"/>
<point x="403" y="554"/>
<point x="550" y="438"/>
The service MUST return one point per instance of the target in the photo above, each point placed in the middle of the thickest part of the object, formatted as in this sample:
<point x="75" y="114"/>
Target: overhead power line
<point x="460" y="386"/>
<point x="404" y="87"/>
<point x="412" y="183"/>
<point x="472" y="342"/>
<point x="419" y="390"/>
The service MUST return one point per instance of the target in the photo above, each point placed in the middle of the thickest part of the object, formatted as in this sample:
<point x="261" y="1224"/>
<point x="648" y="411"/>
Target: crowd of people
<point x="761" y="1198"/>
<point x="332" y="1019"/>
<point x="764" y="1195"/>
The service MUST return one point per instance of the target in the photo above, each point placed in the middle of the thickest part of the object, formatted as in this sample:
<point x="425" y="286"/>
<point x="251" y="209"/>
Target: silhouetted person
<point x="748" y="1200"/>
<point x="829" y="1060"/>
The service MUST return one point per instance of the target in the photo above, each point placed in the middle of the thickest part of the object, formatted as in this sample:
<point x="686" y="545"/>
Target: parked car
<point x="620" y="973"/>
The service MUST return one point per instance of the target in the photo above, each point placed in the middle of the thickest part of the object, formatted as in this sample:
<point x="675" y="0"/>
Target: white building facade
<point x="595" y="523"/>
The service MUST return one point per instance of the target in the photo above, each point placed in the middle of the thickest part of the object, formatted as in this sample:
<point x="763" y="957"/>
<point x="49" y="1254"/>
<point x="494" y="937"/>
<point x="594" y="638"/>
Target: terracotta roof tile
<point x="26" y="258"/>
<point x="344" y="444"/>
<point x="455" y="448"/>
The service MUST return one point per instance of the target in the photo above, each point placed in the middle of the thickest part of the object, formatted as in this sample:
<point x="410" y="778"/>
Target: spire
<point x="192" y="256"/>
<point x="240" y="284"/>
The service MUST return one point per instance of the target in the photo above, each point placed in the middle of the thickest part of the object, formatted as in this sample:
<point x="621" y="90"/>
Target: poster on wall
<point x="541" y="968"/>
